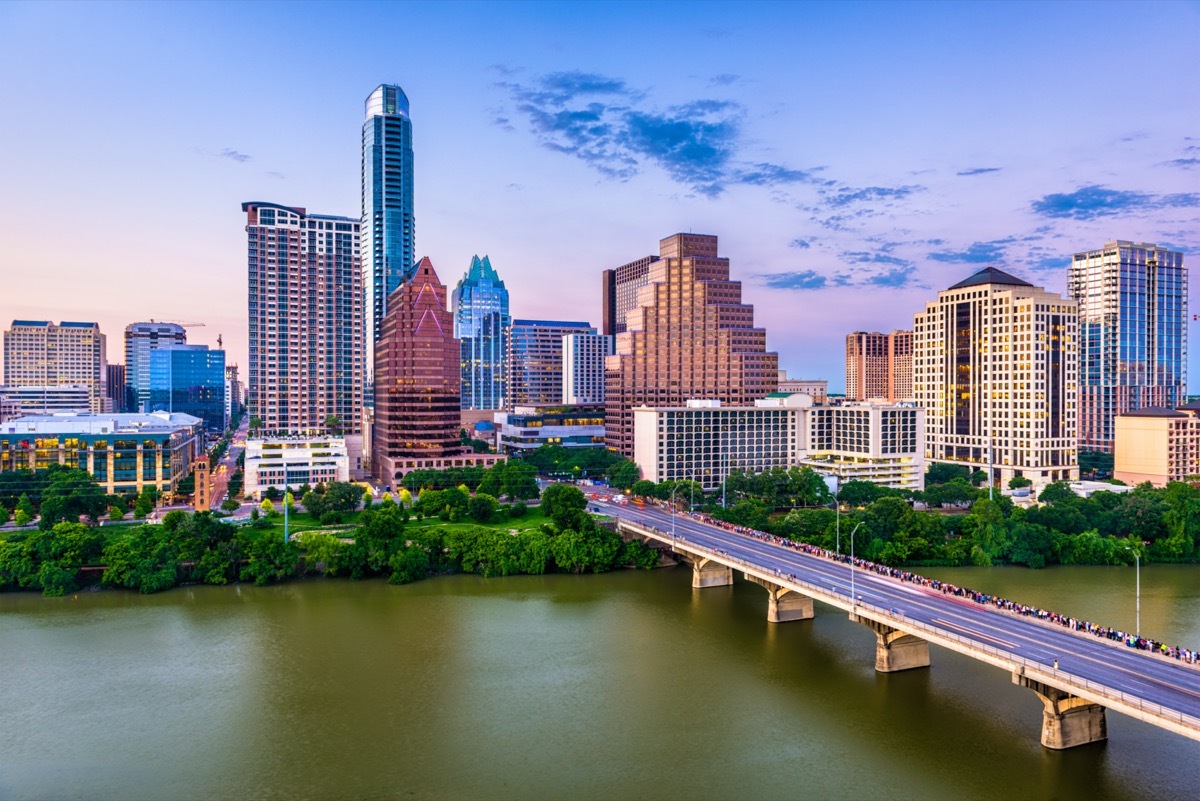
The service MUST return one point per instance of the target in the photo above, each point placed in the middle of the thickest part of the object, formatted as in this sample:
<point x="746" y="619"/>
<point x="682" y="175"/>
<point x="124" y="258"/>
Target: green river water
<point x="624" y="685"/>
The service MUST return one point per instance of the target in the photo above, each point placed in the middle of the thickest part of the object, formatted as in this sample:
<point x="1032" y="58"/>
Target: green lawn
<point x="532" y="519"/>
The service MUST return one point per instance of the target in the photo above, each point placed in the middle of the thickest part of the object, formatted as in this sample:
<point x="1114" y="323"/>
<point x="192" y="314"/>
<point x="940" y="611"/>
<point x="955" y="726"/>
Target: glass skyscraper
<point x="481" y="321"/>
<point x="1132" y="334"/>
<point x="189" y="379"/>
<point x="140" y="340"/>
<point x="388" y="227"/>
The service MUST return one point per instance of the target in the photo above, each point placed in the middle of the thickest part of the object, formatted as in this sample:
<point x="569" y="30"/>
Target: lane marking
<point x="973" y="633"/>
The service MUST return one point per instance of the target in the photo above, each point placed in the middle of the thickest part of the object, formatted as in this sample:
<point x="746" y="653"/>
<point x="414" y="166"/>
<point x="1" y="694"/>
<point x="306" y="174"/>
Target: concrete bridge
<point x="1095" y="674"/>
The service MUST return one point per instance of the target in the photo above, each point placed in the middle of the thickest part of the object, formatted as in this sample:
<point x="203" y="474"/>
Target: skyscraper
<point x="619" y="289"/>
<point x="417" y="384"/>
<point x="689" y="336"/>
<point x="481" y="321"/>
<point x="1132" y="334"/>
<point x="140" y="340"/>
<point x="535" y="361"/>
<point x="879" y="365"/>
<point x="388" y="226"/>
<point x="306" y="326"/>
<point x="996" y="371"/>
<point x="583" y="367"/>
<point x="38" y="353"/>
<point x="189" y="379"/>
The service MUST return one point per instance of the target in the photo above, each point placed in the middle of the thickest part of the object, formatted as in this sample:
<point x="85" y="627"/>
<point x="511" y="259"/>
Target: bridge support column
<point x="896" y="650"/>
<point x="707" y="573"/>
<point x="784" y="605"/>
<point x="1067" y="720"/>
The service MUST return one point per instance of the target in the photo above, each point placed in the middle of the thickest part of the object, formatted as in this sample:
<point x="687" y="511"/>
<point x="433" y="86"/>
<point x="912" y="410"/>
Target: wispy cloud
<point x="1186" y="164"/>
<point x="803" y="244"/>
<point x="846" y="195"/>
<point x="978" y="170"/>
<point x="976" y="253"/>
<point x="233" y="155"/>
<point x="724" y="79"/>
<point x="869" y="257"/>
<point x="800" y="279"/>
<point x="1092" y="202"/>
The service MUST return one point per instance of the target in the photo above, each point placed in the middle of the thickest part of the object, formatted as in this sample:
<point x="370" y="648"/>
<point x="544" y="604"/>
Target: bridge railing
<point x="904" y="623"/>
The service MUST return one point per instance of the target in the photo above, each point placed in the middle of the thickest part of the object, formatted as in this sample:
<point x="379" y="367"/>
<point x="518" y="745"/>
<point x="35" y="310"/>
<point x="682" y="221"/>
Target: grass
<point x="532" y="519"/>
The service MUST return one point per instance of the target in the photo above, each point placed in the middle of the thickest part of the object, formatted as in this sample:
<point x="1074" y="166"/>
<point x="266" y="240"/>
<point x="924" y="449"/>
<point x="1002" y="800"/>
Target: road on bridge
<point x="1171" y="684"/>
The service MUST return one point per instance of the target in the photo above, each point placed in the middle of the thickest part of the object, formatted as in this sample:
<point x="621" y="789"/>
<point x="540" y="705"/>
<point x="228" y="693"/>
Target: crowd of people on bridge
<point x="1130" y="640"/>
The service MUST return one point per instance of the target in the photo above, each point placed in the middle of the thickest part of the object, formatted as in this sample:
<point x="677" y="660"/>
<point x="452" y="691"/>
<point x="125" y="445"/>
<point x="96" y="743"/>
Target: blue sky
<point x="854" y="158"/>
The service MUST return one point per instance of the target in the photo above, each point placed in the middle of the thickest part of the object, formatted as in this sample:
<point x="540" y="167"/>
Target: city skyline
<point x="882" y="153"/>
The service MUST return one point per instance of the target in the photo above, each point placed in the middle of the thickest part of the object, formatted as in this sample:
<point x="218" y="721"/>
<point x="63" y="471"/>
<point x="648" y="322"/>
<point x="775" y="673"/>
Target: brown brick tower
<point x="689" y="336"/>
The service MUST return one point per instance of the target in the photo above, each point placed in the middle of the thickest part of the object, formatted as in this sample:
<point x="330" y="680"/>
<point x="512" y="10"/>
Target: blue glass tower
<point x="189" y="379"/>
<point x="388" y="227"/>
<point x="481" y="321"/>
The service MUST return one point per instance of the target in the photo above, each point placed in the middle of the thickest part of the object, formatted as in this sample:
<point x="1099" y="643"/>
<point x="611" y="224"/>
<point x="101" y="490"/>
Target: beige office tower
<point x="996" y="368"/>
<point x="689" y="336"/>
<point x="39" y="353"/>
<point x="879" y="366"/>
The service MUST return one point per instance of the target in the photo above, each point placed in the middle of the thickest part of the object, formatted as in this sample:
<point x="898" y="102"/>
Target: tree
<point x="1017" y="482"/>
<point x="560" y="502"/>
<point x="1057" y="492"/>
<point x="289" y="502"/>
<point x="343" y="496"/>
<point x="144" y="505"/>
<point x="482" y="508"/>
<point x="624" y="474"/>
<point x="978" y="478"/>
<point x="254" y="425"/>
<point x="406" y="498"/>
<point x="267" y="507"/>
<point x="271" y="559"/>
<point x="941" y="472"/>
<point x="4" y="514"/>
<point x="333" y="424"/>
<point x="644" y="489"/>
<point x="230" y="505"/>
<point x="115" y="512"/>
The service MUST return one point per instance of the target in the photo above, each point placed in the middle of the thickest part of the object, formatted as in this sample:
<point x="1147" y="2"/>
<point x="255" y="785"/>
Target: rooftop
<point x="991" y="275"/>
<point x="1154" y="411"/>
<point x="83" y="423"/>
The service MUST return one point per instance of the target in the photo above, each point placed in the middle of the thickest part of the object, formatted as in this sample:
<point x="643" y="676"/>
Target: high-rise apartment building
<point x="1132" y="334"/>
<point x="689" y="336"/>
<point x="140" y="340"/>
<point x="417" y="380"/>
<point x="996" y="369"/>
<point x="535" y="361"/>
<point x="619" y="288"/>
<point x="189" y="379"/>
<point x="388" y="226"/>
<point x="481" y="321"/>
<point x="306" y="319"/>
<point x="233" y="391"/>
<point x="38" y="353"/>
<point x="583" y="358"/>
<point x="879" y="366"/>
<point x="114" y="386"/>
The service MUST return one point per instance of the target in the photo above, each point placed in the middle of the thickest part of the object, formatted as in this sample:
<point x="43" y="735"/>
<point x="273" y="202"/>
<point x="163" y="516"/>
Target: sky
<point x="853" y="158"/>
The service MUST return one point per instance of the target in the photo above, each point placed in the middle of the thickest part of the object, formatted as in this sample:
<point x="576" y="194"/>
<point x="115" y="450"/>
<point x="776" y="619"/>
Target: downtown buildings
<point x="996" y="370"/>
<point x="688" y="336"/>
<point x="879" y="365"/>
<point x="39" y="353"/>
<point x="1132" y="334"/>
<point x="583" y="357"/>
<point x="535" y="360"/>
<point x="189" y="379"/>
<point x="141" y="339"/>
<point x="481" y="323"/>
<point x="306" y="337"/>
<point x="388" y="228"/>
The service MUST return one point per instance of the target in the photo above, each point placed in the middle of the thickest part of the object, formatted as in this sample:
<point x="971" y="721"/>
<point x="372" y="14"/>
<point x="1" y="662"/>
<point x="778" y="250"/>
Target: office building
<point x="38" y="353"/>
<point x="189" y="379"/>
<point x="1132" y="334"/>
<point x="288" y="463"/>
<point x="141" y="339"/>
<point x="535" y="361"/>
<point x="125" y="453"/>
<point x="1157" y="444"/>
<point x="417" y="375"/>
<point x="481" y="321"/>
<point x="583" y="367"/>
<point x="996" y="370"/>
<point x="389" y="253"/>
<point x="879" y="366"/>
<point x="816" y="388"/>
<point x="114" y="386"/>
<point x="527" y="428"/>
<point x="49" y="400"/>
<point x="306" y="320"/>
<point x="10" y="409"/>
<point x="619" y="289"/>
<point x="689" y="336"/>
<point x="233" y="392"/>
<point x="703" y="440"/>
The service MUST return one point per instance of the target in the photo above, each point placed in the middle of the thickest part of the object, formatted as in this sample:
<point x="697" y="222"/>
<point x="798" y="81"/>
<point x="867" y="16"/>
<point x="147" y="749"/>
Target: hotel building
<point x="1157" y="444"/>
<point x="996" y="369"/>
<point x="879" y="365"/>
<point x="583" y="358"/>
<point x="38" y="353"/>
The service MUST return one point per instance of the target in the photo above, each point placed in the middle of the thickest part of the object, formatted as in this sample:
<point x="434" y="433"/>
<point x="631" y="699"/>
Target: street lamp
<point x="1137" y="558"/>
<point x="853" y="597"/>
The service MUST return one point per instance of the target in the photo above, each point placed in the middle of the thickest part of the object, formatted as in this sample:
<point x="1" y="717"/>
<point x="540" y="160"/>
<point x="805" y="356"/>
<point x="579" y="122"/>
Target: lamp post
<point x="1137" y="558"/>
<point x="853" y="597"/>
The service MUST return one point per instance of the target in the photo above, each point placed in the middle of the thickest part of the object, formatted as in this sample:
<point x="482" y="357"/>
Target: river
<point x="626" y="685"/>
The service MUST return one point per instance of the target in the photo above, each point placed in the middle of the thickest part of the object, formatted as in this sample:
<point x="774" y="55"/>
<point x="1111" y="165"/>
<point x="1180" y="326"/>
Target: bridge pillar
<point x="707" y="573"/>
<point x="784" y="605"/>
<point x="896" y="650"/>
<point x="1067" y="720"/>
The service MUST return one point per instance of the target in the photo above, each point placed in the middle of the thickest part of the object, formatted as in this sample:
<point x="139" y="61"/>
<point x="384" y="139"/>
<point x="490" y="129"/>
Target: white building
<point x="704" y="440"/>
<point x="527" y="428"/>
<point x="583" y="367"/>
<point x="38" y="353"/>
<point x="285" y="463"/>
<point x="49" y="400"/>
<point x="996" y="369"/>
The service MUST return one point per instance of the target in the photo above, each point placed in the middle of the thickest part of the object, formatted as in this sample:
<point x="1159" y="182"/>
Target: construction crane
<point x="179" y="322"/>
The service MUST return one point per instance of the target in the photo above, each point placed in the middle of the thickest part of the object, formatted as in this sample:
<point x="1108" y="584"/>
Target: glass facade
<point x="189" y="379"/>
<point x="140" y="340"/>
<point x="388" y="227"/>
<point x="535" y="360"/>
<point x="481" y="322"/>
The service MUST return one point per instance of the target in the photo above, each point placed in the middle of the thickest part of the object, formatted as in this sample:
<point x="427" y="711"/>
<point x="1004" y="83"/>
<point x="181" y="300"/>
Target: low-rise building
<point x="703" y="440"/>
<point x="123" y="452"/>
<point x="527" y="428"/>
<point x="291" y="462"/>
<point x="818" y="388"/>
<point x="1157" y="444"/>
<point x="49" y="399"/>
